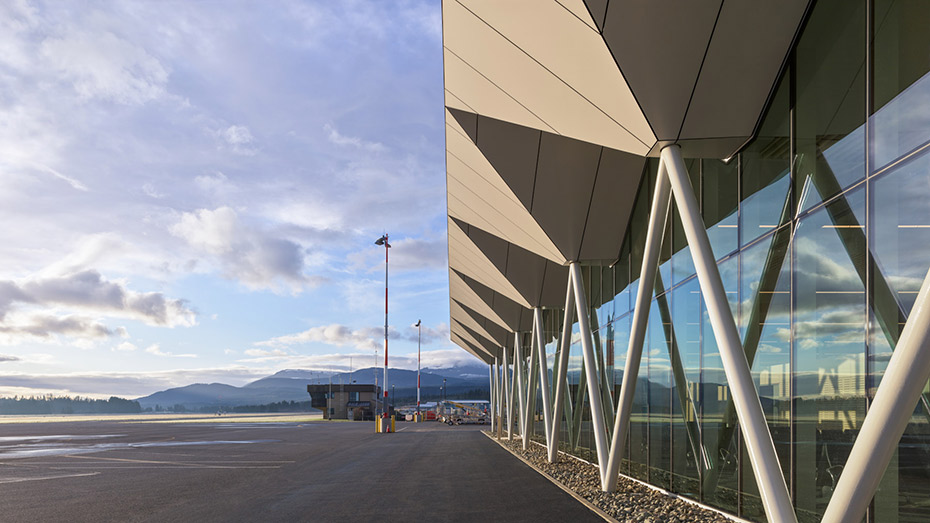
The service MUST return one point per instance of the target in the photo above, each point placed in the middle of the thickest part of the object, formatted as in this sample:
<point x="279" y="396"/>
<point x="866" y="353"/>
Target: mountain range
<point x="291" y="385"/>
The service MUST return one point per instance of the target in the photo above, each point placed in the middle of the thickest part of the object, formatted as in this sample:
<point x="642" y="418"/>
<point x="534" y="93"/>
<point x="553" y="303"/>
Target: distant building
<point x="340" y="401"/>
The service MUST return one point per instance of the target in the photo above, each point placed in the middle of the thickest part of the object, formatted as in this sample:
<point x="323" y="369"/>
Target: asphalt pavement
<point x="315" y="471"/>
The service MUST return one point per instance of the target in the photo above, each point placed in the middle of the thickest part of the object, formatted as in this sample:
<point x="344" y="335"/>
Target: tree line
<point x="51" y="404"/>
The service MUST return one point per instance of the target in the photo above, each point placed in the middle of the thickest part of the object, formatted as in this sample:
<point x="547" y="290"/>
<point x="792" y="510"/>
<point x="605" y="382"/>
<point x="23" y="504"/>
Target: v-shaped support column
<point x="647" y="278"/>
<point x="888" y="416"/>
<point x="543" y="373"/>
<point x="529" y="417"/>
<point x="519" y="376"/>
<point x="508" y="389"/>
<point x="561" y="379"/>
<point x="590" y="367"/>
<point x="761" y="449"/>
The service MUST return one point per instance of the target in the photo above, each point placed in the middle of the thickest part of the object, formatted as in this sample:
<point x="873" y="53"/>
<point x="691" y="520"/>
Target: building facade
<point x="796" y="143"/>
<point x="355" y="402"/>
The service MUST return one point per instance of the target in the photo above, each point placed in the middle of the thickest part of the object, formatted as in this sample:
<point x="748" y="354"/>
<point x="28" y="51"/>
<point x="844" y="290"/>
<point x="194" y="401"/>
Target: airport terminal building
<point x="695" y="236"/>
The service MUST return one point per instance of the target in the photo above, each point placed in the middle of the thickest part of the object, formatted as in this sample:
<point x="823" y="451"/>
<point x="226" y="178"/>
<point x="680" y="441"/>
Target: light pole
<point x="418" y="365"/>
<point x="444" y="389"/>
<point x="384" y="241"/>
<point x="393" y="396"/>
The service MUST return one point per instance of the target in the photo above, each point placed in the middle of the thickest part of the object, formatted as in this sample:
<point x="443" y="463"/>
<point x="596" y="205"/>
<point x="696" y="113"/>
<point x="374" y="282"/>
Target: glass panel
<point x="902" y="85"/>
<point x="655" y="353"/>
<point x="830" y="108"/>
<point x="639" y="424"/>
<point x="765" y="327"/>
<point x="689" y="458"/>
<point x="682" y="264"/>
<point x="829" y="327"/>
<point x="901" y="245"/>
<point x="721" y="480"/>
<point x="721" y="200"/>
<point x="766" y="167"/>
<point x="622" y="280"/>
<point x="638" y="225"/>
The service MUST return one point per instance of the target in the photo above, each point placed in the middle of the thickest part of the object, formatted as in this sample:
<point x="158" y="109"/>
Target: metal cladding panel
<point x="474" y="92"/>
<point x="562" y="107"/>
<point x="513" y="151"/>
<point x="750" y="44"/>
<point x="524" y="270"/>
<point x="597" y="8"/>
<point x="564" y="42"/>
<point x="563" y="190"/>
<point x="579" y="9"/>
<point x="476" y="340"/>
<point x="459" y="314"/>
<point x="462" y="293"/>
<point x="468" y="259"/>
<point x="517" y="317"/>
<point x="618" y="179"/>
<point x="489" y="329"/>
<point x="478" y="195"/>
<point x="659" y="46"/>
<point x="573" y="184"/>
<point x="467" y="346"/>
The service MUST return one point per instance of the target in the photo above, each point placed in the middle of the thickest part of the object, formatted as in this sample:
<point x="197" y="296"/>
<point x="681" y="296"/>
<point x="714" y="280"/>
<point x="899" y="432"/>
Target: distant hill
<point x="291" y="385"/>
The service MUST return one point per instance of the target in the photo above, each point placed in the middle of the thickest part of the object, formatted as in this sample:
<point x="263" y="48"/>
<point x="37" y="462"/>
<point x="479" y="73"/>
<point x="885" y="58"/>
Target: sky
<point x="191" y="191"/>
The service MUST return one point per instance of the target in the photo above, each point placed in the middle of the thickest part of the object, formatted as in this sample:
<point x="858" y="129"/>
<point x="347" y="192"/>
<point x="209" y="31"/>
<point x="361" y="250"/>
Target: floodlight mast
<point x="418" y="364"/>
<point x="384" y="241"/>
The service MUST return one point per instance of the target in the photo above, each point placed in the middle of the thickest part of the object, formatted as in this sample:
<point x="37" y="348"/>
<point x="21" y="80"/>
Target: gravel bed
<point x="631" y="502"/>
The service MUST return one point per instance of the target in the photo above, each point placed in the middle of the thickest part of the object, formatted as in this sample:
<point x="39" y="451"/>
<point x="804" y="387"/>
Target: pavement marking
<point x="63" y="476"/>
<point x="403" y="429"/>
<point x="180" y="464"/>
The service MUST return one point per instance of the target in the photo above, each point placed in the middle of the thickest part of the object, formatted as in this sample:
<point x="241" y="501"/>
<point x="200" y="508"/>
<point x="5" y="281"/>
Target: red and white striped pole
<point x="384" y="241"/>
<point x="418" y="364"/>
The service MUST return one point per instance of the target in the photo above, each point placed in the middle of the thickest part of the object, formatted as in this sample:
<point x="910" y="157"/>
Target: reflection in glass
<point x="689" y="458"/>
<point x="765" y="326"/>
<point x="901" y="80"/>
<point x="900" y="222"/>
<point x="830" y="139"/>
<point x="766" y="165"/>
<point x="655" y="353"/>
<point x="682" y="264"/>
<point x="720" y="203"/>
<point x="721" y="480"/>
<point x="829" y="328"/>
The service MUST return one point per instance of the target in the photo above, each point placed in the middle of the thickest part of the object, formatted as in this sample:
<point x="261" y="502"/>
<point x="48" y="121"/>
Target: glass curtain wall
<point x="821" y="229"/>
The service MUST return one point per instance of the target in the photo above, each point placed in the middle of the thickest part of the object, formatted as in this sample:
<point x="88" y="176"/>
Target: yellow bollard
<point x="392" y="424"/>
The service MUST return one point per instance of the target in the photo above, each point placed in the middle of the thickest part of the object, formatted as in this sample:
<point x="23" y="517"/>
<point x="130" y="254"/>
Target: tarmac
<point x="311" y="471"/>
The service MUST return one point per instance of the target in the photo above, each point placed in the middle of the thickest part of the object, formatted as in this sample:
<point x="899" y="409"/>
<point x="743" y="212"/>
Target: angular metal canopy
<point x="631" y="76"/>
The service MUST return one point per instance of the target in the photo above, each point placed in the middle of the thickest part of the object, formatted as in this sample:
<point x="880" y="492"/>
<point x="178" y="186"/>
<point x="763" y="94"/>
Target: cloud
<point x="339" y="139"/>
<point x="101" y="65"/>
<point x="338" y="335"/>
<point x="149" y="190"/>
<point x="256" y="258"/>
<point x="156" y="350"/>
<point x="7" y="357"/>
<point x="407" y="254"/>
<point x="125" y="347"/>
<point x="365" y="339"/>
<point x="238" y="139"/>
<point x="40" y="325"/>
<point x="88" y="290"/>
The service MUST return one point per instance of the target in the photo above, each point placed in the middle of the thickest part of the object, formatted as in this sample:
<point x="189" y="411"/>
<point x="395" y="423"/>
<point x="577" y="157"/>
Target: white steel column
<point x="530" y="417"/>
<point x="491" y="396"/>
<point x="647" y="277"/>
<point x="543" y="373"/>
<point x="519" y="376"/>
<point x="561" y="379"/>
<point x="508" y="390"/>
<point x="897" y="395"/>
<point x="590" y="367"/>
<point x="761" y="449"/>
